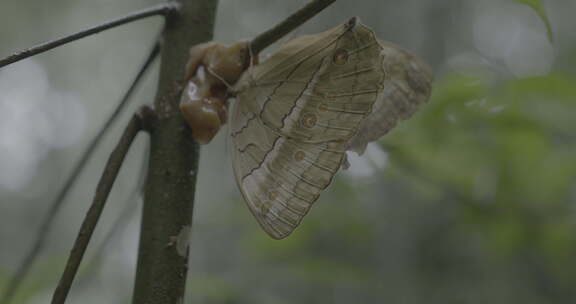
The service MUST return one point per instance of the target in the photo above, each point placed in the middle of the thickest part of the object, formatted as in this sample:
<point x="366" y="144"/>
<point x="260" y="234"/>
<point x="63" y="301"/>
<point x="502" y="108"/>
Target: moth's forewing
<point x="298" y="112"/>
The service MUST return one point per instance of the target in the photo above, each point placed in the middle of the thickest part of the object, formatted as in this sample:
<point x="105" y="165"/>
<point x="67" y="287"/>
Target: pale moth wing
<point x="299" y="111"/>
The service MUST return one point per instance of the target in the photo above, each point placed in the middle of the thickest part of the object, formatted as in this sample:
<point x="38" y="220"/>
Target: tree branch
<point x="130" y="206"/>
<point x="163" y="9"/>
<point x="102" y="191"/>
<point x="270" y="36"/>
<point x="45" y="228"/>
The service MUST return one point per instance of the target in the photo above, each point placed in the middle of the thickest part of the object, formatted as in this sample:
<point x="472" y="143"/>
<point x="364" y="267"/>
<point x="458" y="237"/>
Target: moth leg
<point x="345" y="162"/>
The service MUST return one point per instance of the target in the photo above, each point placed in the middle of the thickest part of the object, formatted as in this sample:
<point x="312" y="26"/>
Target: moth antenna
<point x="251" y="62"/>
<point x="289" y="37"/>
<point x="228" y="86"/>
<point x="251" y="55"/>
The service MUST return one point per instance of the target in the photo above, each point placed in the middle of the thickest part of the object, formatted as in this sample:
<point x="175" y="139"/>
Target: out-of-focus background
<point x="473" y="200"/>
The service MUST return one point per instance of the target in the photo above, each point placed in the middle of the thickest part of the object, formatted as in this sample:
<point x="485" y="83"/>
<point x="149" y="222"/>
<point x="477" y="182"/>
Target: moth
<point x="298" y="112"/>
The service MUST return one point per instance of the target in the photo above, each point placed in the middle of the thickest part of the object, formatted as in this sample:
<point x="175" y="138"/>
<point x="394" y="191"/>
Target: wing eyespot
<point x="272" y="195"/>
<point x="340" y="57"/>
<point x="265" y="208"/>
<point x="309" y="120"/>
<point x="299" y="155"/>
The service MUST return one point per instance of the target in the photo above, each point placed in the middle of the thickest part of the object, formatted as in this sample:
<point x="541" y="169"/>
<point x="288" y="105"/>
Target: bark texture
<point x="169" y="194"/>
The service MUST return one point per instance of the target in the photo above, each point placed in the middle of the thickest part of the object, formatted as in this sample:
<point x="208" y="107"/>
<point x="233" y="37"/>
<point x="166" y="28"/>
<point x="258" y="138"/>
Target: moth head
<point x="351" y="23"/>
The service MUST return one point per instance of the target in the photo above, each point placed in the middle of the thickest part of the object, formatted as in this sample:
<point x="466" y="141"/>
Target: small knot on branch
<point x="171" y="8"/>
<point x="147" y="118"/>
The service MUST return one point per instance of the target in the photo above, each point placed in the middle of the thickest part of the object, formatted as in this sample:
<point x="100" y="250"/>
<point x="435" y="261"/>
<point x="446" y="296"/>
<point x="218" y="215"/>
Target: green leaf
<point x="538" y="7"/>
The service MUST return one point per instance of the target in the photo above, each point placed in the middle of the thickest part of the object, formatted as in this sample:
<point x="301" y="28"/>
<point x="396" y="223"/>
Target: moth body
<point x="300" y="111"/>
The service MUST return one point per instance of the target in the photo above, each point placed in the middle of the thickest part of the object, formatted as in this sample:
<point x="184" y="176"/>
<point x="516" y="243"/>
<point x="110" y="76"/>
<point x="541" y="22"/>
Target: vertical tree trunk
<point x="169" y="194"/>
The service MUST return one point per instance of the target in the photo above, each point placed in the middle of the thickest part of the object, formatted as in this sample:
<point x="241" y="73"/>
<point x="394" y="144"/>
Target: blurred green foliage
<point x="507" y="154"/>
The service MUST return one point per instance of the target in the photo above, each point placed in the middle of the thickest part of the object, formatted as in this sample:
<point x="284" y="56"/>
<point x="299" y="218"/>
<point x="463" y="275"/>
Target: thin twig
<point x="121" y="221"/>
<point x="102" y="191"/>
<point x="289" y="24"/>
<point x="44" y="229"/>
<point x="162" y="9"/>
